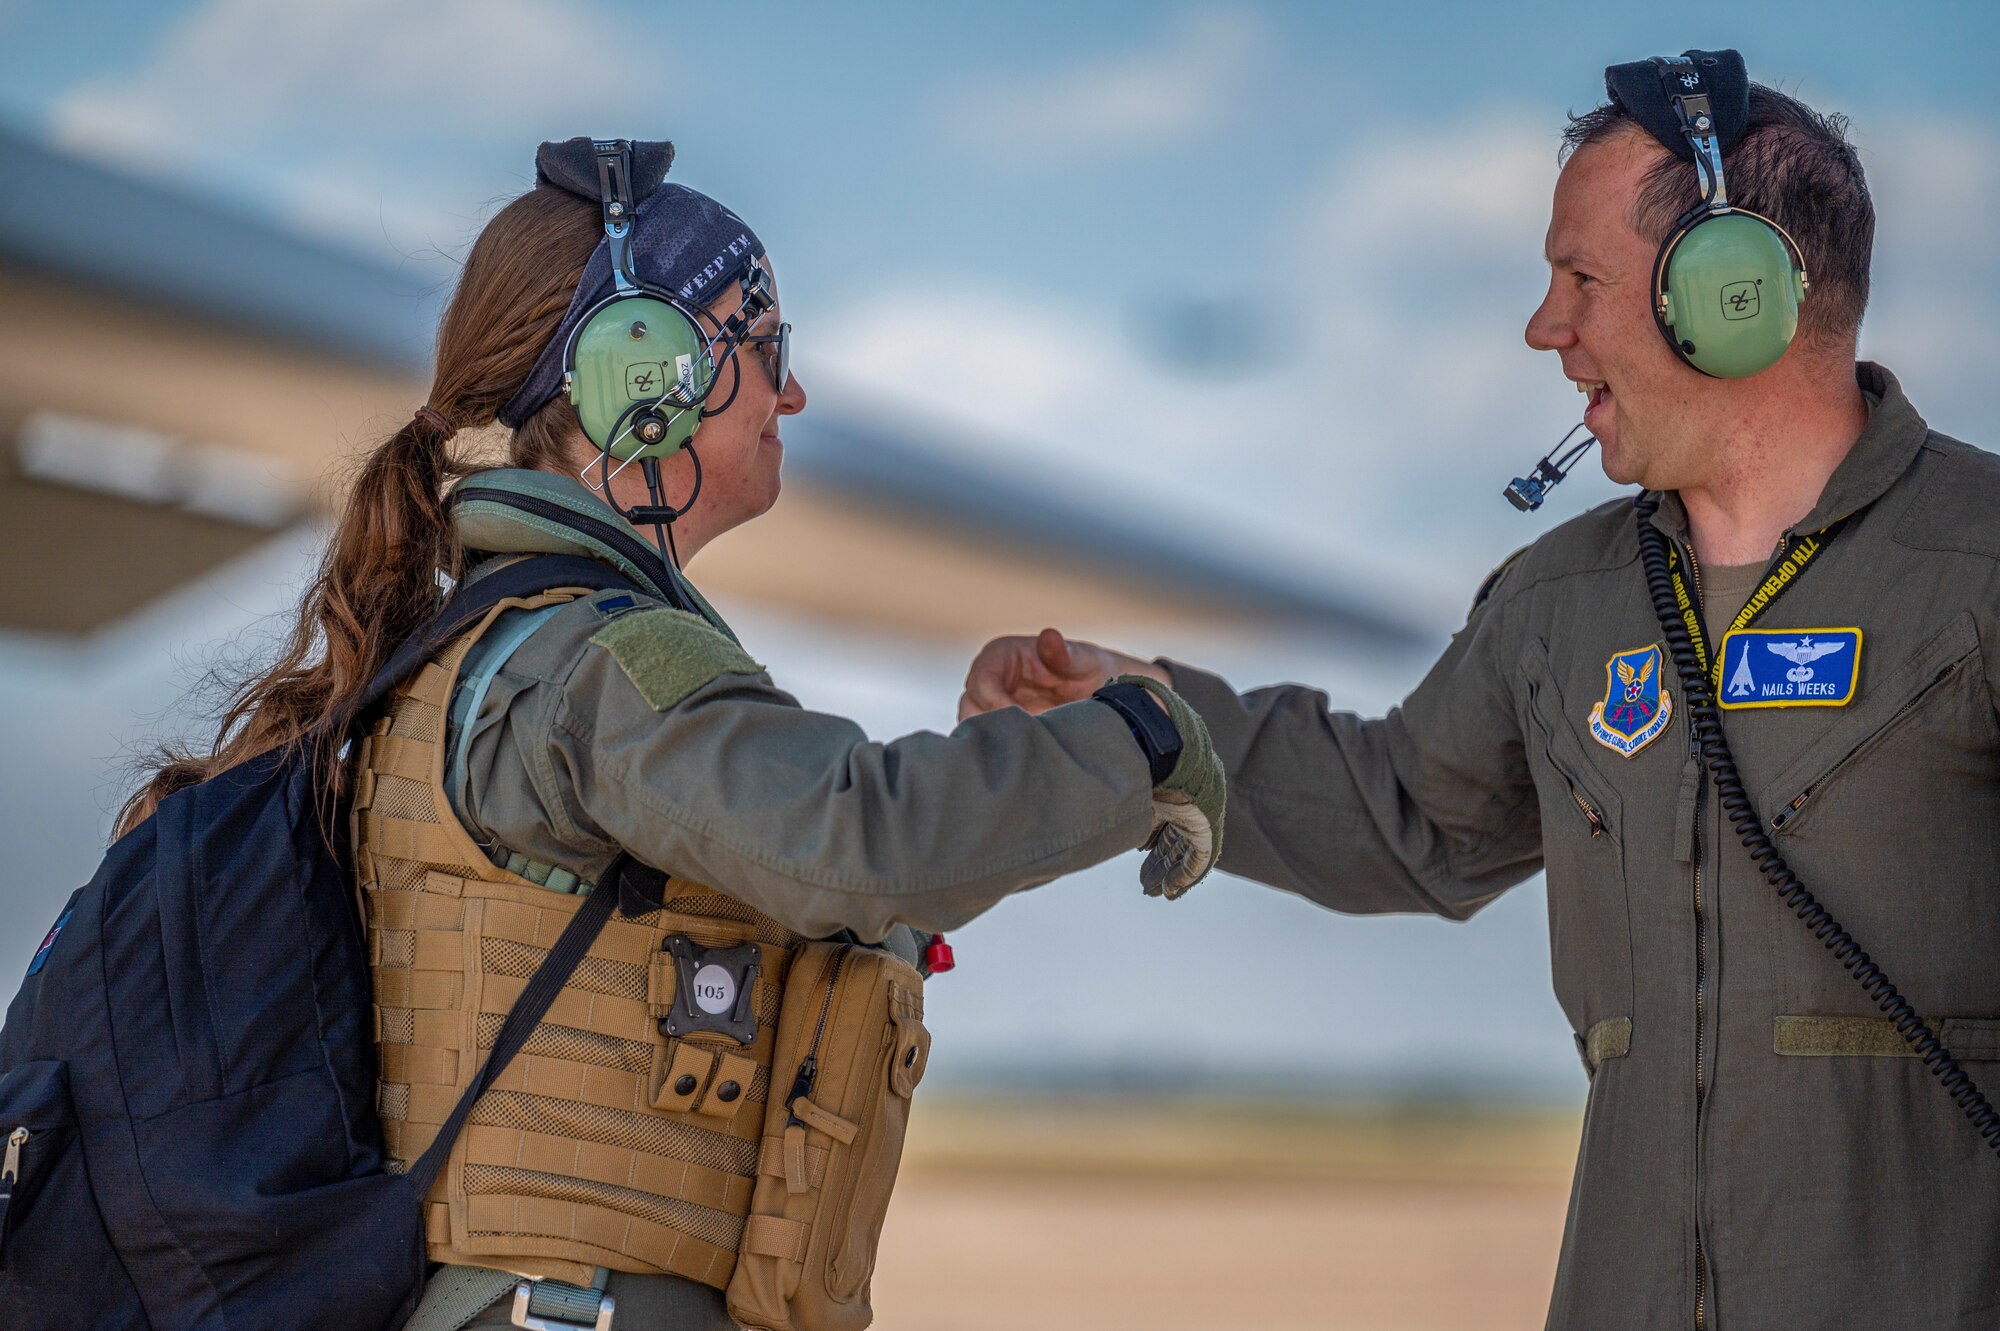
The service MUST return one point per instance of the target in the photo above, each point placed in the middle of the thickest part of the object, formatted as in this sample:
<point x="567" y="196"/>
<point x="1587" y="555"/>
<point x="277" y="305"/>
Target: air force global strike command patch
<point x="1790" y="667"/>
<point x="1636" y="706"/>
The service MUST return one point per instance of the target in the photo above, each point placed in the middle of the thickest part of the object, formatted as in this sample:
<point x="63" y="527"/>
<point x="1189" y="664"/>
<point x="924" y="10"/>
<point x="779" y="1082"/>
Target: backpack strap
<point x="627" y="884"/>
<point x="470" y="602"/>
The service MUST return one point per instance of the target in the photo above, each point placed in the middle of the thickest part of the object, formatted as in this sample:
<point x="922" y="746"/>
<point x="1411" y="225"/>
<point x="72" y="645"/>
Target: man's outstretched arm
<point x="1430" y="808"/>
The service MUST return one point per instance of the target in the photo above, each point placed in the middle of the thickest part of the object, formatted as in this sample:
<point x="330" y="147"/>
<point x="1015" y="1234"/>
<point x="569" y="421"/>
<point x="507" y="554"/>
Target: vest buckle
<point x="554" y="1305"/>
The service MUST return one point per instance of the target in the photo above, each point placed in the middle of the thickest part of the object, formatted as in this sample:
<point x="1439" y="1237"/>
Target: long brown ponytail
<point x="378" y="580"/>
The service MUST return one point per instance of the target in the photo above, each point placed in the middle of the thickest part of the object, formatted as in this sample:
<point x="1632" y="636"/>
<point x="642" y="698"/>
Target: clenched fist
<point x="1044" y="671"/>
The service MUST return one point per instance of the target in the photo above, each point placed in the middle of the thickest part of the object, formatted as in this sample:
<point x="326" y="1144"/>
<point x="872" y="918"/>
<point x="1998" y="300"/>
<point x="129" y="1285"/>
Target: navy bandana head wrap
<point x="683" y="242"/>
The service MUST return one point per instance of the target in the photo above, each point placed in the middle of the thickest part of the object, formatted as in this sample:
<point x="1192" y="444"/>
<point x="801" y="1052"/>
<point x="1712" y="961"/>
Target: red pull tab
<point x="937" y="957"/>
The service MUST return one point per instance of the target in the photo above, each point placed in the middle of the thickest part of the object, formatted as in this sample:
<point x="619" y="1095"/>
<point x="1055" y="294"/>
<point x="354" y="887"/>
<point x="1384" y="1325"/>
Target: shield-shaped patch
<point x="1636" y="706"/>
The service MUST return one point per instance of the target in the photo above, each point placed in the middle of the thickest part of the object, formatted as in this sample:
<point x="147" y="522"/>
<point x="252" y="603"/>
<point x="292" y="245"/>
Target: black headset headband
<point x="572" y="164"/>
<point x="1652" y="92"/>
<point x="617" y="174"/>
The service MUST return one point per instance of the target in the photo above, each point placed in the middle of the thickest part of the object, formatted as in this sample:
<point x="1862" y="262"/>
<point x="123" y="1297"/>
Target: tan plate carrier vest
<point x="582" y="1154"/>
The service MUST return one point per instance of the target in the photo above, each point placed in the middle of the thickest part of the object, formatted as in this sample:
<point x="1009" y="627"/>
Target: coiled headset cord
<point x="1705" y="722"/>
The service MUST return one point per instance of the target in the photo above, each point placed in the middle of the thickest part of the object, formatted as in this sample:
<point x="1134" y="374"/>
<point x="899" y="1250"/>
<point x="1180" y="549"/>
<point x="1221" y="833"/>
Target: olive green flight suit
<point x="620" y="723"/>
<point x="1759" y="1149"/>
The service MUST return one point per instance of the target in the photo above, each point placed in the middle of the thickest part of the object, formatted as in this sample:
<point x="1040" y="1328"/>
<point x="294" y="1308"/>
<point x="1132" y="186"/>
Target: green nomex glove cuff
<point x="1190" y="804"/>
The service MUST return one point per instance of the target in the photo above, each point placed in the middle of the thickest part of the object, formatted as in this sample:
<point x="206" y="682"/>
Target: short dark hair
<point x="1793" y="165"/>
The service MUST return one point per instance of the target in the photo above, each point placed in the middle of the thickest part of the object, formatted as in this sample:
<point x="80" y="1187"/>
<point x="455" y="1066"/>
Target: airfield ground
<point x="1103" y="1215"/>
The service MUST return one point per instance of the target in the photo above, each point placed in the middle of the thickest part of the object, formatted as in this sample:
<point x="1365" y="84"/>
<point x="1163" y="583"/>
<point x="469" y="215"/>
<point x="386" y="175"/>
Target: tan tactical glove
<point x="1188" y="806"/>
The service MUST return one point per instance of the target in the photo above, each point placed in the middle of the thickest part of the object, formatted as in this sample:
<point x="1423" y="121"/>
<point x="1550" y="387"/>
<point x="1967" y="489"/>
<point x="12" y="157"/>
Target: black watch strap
<point x="1150" y="726"/>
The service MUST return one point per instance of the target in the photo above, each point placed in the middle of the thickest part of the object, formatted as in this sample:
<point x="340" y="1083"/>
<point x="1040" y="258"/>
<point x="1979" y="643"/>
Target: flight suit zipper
<point x="1703" y="1281"/>
<point x="1590" y="813"/>
<point x="1701" y="1273"/>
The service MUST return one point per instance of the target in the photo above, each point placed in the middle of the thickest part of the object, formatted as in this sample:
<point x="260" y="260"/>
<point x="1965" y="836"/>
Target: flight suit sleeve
<point x="679" y="749"/>
<point x="1430" y="808"/>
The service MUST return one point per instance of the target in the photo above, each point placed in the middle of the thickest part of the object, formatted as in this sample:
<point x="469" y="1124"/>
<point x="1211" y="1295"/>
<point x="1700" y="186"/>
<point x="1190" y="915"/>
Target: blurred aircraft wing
<point x="178" y="380"/>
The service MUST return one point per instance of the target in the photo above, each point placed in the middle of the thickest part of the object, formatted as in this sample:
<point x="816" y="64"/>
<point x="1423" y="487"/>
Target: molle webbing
<point x="582" y="1154"/>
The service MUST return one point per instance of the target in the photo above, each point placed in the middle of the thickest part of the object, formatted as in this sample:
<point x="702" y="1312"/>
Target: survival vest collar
<point x="517" y="510"/>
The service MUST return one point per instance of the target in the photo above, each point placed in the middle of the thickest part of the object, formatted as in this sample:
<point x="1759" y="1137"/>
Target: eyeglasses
<point x="781" y="364"/>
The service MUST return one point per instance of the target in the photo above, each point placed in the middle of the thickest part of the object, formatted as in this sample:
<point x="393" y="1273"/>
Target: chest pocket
<point x="1906" y="731"/>
<point x="1590" y="930"/>
<point x="1892" y="817"/>
<point x="1578" y="799"/>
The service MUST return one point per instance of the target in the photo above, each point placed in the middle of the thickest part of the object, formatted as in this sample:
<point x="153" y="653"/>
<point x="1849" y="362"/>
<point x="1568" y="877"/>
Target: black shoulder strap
<point x="468" y="604"/>
<point x="627" y="887"/>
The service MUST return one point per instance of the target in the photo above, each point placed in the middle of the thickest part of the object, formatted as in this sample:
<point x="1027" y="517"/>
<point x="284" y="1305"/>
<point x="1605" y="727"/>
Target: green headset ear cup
<point x="1730" y="294"/>
<point x="626" y="356"/>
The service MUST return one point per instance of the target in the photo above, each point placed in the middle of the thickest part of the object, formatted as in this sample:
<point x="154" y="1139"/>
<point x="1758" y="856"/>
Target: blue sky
<point x="875" y="139"/>
<point x="853" y="127"/>
<point x="1259" y="268"/>
<point x="1278" y="256"/>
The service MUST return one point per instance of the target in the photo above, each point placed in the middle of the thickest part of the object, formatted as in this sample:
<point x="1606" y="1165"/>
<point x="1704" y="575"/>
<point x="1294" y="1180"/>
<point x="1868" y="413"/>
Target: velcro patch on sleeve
<point x="668" y="654"/>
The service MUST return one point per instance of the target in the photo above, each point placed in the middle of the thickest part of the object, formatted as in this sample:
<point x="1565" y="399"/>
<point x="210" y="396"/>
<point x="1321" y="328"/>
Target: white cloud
<point x="361" y="118"/>
<point x="1377" y="450"/>
<point x="1936" y="286"/>
<point x="440" y="70"/>
<point x="1185" y="83"/>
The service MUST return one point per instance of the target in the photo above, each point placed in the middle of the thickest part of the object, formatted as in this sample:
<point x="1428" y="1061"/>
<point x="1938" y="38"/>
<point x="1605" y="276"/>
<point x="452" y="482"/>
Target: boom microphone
<point x="1527" y="492"/>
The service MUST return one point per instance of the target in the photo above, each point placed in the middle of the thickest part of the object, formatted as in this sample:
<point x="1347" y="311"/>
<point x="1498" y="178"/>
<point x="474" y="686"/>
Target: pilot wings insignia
<point x="1805" y="651"/>
<point x="1631" y="684"/>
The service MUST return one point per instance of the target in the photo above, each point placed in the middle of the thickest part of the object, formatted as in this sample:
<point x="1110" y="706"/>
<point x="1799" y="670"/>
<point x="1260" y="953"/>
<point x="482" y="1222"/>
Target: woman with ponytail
<point x="574" y="731"/>
<point x="378" y="581"/>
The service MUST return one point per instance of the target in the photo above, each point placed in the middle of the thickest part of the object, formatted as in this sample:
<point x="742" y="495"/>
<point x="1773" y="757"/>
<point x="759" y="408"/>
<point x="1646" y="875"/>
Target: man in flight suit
<point x="1760" y="1150"/>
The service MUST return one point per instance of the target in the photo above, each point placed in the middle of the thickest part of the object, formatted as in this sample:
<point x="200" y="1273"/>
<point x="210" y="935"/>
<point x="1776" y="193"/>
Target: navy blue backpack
<point x="187" y="1076"/>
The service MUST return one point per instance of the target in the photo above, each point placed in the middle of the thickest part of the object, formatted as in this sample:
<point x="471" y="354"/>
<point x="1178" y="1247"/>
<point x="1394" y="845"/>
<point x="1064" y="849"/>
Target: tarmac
<point x="1104" y="1217"/>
